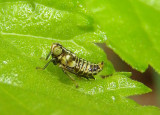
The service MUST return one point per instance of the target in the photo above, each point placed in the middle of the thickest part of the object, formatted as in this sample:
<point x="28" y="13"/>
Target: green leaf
<point x="27" y="31"/>
<point x="132" y="28"/>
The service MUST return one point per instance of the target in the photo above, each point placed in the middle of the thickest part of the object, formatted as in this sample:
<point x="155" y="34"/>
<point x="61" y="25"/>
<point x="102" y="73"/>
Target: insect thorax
<point x="67" y="58"/>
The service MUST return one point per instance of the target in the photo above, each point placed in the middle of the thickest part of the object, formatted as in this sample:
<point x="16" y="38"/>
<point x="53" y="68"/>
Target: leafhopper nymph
<point x="69" y="62"/>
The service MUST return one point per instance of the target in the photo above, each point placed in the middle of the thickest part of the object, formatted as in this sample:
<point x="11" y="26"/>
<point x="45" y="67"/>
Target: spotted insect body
<point x="68" y="61"/>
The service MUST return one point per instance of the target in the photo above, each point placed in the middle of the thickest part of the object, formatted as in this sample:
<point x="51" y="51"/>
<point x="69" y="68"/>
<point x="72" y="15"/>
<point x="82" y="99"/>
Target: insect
<point x="69" y="62"/>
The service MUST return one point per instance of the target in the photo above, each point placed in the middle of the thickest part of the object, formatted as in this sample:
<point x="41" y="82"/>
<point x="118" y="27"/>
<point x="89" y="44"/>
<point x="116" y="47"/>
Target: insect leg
<point x="42" y="58"/>
<point x="52" y="60"/>
<point x="91" y="77"/>
<point x="71" y="78"/>
<point x="48" y="55"/>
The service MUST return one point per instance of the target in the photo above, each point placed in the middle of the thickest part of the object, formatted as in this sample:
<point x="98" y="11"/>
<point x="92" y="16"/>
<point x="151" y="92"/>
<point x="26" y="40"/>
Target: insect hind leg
<point x="71" y="78"/>
<point x="91" y="77"/>
<point x="88" y="77"/>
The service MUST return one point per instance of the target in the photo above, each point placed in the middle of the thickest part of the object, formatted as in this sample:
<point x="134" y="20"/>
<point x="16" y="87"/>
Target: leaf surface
<point x="27" y="31"/>
<point x="132" y="28"/>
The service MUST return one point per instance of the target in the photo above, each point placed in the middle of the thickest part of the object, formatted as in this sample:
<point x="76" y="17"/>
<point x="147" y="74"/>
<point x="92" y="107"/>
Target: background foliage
<point x="132" y="27"/>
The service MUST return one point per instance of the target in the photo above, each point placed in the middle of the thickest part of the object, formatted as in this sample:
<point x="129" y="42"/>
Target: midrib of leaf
<point x="36" y="14"/>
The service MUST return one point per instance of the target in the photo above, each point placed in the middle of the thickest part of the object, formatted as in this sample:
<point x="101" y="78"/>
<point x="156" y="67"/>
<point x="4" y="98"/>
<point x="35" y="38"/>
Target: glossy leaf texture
<point x="28" y="28"/>
<point x="132" y="28"/>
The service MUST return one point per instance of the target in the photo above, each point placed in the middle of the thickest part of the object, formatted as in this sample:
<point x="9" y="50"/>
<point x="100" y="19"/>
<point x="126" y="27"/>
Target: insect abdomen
<point x="78" y="66"/>
<point x="87" y="69"/>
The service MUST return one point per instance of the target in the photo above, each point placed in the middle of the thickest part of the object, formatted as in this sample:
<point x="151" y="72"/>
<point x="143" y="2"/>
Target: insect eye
<point x="57" y="51"/>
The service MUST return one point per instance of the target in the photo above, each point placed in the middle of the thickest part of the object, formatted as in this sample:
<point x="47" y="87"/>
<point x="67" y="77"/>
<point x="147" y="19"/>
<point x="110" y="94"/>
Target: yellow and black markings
<point x="69" y="62"/>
